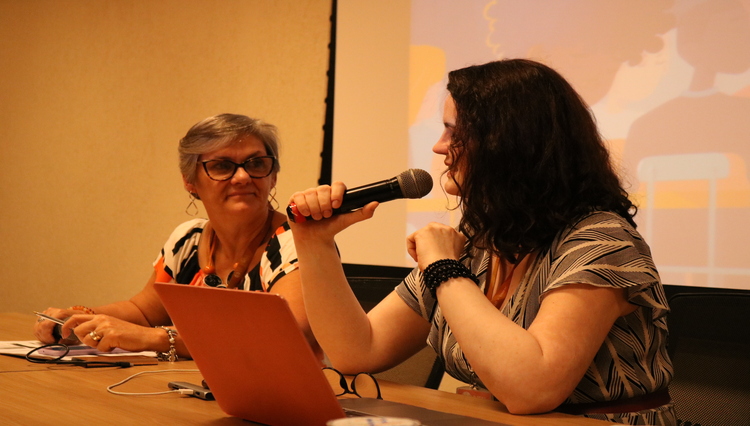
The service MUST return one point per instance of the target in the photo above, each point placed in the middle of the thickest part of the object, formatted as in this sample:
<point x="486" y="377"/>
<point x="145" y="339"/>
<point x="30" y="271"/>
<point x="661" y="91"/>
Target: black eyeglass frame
<point x="238" y="165"/>
<point x="353" y="391"/>
<point x="31" y="357"/>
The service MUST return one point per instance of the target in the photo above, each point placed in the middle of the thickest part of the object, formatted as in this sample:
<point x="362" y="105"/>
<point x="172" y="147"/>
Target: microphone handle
<point x="356" y="198"/>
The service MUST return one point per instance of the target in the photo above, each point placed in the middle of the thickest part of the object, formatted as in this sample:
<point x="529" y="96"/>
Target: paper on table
<point x="18" y="348"/>
<point x="22" y="347"/>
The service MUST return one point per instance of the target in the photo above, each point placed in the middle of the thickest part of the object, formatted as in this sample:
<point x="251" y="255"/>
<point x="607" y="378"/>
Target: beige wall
<point x="94" y="97"/>
<point x="371" y="134"/>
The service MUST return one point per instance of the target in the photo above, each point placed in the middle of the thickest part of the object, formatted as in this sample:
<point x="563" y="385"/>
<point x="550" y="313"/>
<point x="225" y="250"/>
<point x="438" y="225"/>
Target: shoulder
<point x="190" y="226"/>
<point x="283" y="229"/>
<point x="280" y="249"/>
<point x="602" y="249"/>
<point x="280" y="256"/>
<point x="601" y="218"/>
<point x="186" y="231"/>
<point x="600" y="226"/>
<point x="281" y="237"/>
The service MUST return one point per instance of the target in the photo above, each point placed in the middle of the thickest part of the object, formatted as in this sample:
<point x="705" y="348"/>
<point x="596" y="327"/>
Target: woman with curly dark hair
<point x="546" y="297"/>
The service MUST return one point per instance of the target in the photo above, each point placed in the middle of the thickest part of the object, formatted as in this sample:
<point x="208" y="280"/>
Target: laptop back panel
<point x="252" y="354"/>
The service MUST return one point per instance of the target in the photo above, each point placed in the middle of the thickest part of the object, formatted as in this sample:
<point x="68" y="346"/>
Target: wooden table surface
<point x="38" y="394"/>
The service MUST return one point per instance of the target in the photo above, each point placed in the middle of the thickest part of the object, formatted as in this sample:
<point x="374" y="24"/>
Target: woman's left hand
<point x="106" y="333"/>
<point x="434" y="242"/>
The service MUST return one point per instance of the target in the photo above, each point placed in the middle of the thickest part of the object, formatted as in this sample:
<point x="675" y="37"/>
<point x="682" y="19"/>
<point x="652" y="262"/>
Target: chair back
<point x="709" y="343"/>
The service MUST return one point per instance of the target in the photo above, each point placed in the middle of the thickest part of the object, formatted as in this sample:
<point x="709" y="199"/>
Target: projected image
<point x="669" y="84"/>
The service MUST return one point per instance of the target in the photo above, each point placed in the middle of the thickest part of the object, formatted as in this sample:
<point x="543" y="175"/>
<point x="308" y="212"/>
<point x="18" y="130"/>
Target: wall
<point x="96" y="95"/>
<point x="371" y="121"/>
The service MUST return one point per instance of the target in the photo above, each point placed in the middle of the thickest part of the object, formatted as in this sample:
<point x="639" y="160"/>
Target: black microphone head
<point x="414" y="183"/>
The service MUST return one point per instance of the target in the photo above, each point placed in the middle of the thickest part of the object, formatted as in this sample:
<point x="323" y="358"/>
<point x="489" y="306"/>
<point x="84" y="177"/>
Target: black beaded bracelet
<point x="442" y="270"/>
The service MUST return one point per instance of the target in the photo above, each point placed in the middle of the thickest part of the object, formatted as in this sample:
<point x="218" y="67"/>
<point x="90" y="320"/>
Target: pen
<point x="99" y="364"/>
<point x="49" y="318"/>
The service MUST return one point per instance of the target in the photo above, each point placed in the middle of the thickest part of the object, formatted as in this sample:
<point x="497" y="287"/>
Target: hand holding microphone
<point x="412" y="183"/>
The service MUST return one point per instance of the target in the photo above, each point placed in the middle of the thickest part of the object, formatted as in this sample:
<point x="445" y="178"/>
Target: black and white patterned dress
<point x="602" y="250"/>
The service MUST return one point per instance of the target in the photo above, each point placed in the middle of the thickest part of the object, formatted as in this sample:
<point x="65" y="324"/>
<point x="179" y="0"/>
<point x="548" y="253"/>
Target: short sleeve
<point x="174" y="259"/>
<point x="416" y="295"/>
<point x="280" y="257"/>
<point x="604" y="250"/>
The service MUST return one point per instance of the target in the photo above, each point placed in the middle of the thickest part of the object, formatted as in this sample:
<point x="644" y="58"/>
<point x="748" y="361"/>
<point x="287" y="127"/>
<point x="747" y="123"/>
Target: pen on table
<point x="49" y="318"/>
<point x="100" y="364"/>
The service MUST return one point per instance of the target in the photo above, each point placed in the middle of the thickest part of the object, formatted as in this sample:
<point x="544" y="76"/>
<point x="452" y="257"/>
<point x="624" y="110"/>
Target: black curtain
<point x="326" y="155"/>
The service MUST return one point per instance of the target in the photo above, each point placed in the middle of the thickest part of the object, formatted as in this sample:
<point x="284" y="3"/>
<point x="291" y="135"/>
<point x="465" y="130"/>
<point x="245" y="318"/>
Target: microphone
<point x="412" y="183"/>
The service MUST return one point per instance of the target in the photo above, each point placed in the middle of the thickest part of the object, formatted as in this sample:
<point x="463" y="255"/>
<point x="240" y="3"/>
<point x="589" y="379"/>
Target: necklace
<point x="240" y="268"/>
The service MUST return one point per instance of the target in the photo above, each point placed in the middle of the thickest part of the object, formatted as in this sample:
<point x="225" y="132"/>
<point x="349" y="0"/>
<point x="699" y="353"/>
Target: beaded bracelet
<point x="442" y="270"/>
<point x="82" y="308"/>
<point x="170" y="356"/>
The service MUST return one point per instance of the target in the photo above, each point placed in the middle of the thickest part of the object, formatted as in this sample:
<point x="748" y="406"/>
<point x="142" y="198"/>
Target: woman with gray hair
<point x="230" y="163"/>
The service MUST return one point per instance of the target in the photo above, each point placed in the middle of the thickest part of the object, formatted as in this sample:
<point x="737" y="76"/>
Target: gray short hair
<point x="220" y="131"/>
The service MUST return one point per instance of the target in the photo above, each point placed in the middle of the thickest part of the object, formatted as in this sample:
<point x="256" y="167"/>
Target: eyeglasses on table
<point x="363" y="385"/>
<point x="61" y="351"/>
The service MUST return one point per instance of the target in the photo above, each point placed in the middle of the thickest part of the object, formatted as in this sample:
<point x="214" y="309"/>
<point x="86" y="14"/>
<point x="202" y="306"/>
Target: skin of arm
<point x="126" y="324"/>
<point x="530" y="371"/>
<point x="289" y="286"/>
<point x="132" y="311"/>
<point x="353" y="340"/>
<point x="129" y="324"/>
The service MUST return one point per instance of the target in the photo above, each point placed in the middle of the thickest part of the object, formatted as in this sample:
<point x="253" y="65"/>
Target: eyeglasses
<point x="364" y="385"/>
<point x="256" y="167"/>
<point x="55" y="352"/>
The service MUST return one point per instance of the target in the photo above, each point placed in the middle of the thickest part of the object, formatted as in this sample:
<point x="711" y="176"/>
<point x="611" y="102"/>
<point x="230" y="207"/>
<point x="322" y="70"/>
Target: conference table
<point x="43" y="394"/>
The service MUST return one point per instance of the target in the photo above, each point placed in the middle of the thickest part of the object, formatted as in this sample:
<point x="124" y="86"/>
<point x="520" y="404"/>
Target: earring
<point x="192" y="208"/>
<point x="272" y="202"/>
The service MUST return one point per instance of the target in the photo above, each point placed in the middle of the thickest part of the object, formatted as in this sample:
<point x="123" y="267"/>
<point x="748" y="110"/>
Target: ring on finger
<point x="95" y="336"/>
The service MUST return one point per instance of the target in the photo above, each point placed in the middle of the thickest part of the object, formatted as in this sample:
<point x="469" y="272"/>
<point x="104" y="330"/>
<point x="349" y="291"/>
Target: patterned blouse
<point x="602" y="250"/>
<point x="178" y="259"/>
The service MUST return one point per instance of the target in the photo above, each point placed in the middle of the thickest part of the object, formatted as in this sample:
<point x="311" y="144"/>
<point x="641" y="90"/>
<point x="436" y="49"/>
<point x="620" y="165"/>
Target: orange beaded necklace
<point x="240" y="268"/>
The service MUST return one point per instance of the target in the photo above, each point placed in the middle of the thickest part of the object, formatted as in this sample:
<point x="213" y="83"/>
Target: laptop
<point x="259" y="366"/>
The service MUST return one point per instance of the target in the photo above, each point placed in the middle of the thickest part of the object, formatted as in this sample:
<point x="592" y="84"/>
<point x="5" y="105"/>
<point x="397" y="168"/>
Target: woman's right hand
<point x="43" y="329"/>
<point x="318" y="204"/>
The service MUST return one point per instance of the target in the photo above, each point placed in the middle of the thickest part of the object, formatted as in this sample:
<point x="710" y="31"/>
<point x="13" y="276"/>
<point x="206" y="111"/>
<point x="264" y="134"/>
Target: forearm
<point x="152" y="339"/>
<point x="125" y="310"/>
<point x="290" y="288"/>
<point x="335" y="315"/>
<point x="532" y="370"/>
<point x="508" y="359"/>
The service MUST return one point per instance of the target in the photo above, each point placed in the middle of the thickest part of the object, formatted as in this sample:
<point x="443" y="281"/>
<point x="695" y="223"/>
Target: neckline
<point x="496" y="288"/>
<point x="240" y="268"/>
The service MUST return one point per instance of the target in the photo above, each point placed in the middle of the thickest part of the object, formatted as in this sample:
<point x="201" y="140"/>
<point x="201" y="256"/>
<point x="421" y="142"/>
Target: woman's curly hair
<point x="531" y="157"/>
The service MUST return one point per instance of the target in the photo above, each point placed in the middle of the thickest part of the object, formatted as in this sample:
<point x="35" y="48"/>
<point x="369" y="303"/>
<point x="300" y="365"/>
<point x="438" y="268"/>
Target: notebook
<point x="258" y="364"/>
